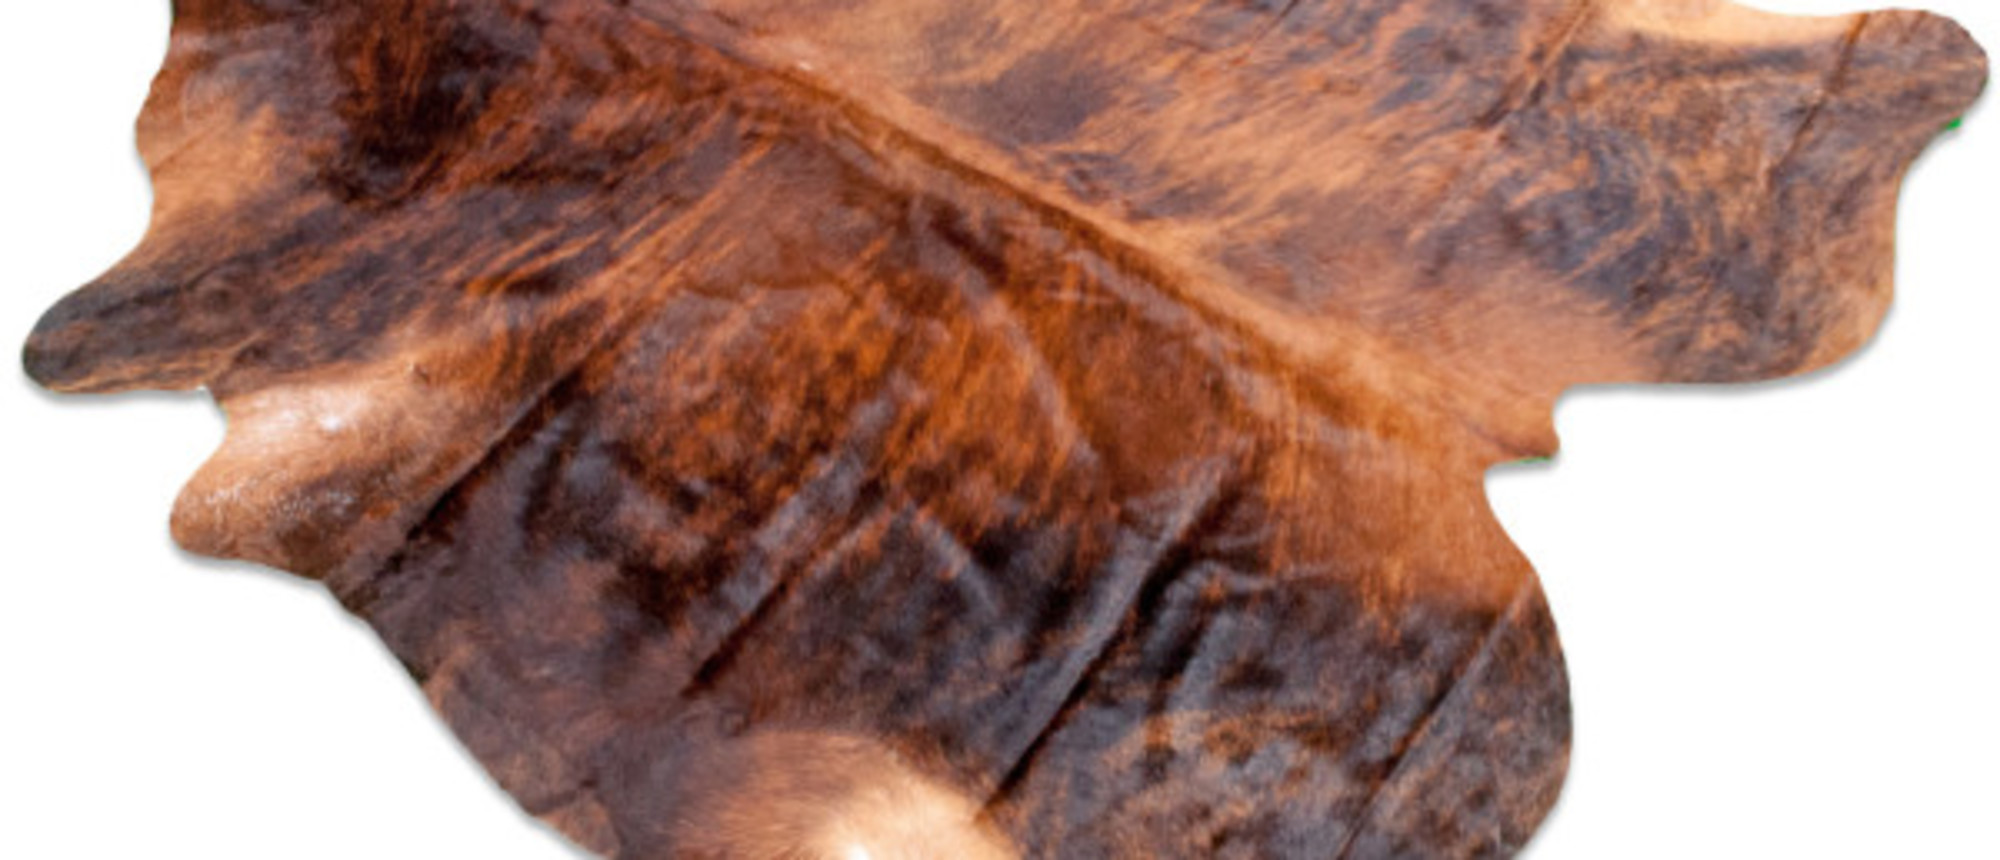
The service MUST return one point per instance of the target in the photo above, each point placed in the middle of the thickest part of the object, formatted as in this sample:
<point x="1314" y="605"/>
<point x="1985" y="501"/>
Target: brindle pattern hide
<point x="959" y="429"/>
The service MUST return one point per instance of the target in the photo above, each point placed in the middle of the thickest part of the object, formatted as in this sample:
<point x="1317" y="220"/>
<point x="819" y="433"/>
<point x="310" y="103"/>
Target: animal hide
<point x="905" y="428"/>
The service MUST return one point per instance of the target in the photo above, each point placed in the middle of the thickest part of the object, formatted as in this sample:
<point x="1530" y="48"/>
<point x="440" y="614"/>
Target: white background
<point x="1778" y="601"/>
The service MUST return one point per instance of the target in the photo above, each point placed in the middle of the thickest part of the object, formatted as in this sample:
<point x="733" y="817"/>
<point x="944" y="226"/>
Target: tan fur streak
<point x="797" y="796"/>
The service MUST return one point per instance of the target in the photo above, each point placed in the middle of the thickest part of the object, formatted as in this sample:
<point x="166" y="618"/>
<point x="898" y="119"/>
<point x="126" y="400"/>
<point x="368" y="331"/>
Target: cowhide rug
<point x="911" y="428"/>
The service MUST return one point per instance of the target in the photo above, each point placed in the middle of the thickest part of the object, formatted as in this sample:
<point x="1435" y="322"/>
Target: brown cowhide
<point x="912" y="428"/>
